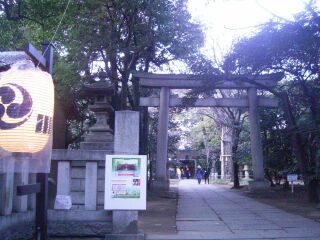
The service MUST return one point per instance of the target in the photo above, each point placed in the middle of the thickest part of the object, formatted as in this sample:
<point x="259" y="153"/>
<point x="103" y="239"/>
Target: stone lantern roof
<point x="99" y="87"/>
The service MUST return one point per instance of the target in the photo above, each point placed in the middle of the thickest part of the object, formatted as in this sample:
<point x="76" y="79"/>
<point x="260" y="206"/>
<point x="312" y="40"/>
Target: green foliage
<point x="275" y="140"/>
<point x="125" y="36"/>
<point x="292" y="47"/>
<point x="199" y="133"/>
<point x="286" y="46"/>
<point x="33" y="21"/>
<point x="243" y="152"/>
<point x="102" y="40"/>
<point x="67" y="79"/>
<point x="204" y="135"/>
<point x="12" y="35"/>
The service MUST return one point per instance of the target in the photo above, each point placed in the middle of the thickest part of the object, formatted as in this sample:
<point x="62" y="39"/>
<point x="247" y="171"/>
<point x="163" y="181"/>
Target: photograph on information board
<point x="126" y="177"/>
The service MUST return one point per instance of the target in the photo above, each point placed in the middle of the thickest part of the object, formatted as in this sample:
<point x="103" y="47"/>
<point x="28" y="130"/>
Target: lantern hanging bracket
<point x="36" y="56"/>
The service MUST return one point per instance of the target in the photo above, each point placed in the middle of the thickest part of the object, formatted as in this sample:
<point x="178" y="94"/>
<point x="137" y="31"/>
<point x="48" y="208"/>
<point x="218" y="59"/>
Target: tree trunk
<point x="313" y="183"/>
<point x="296" y="138"/>
<point x="144" y="131"/>
<point x="299" y="151"/>
<point x="236" y="136"/>
<point x="114" y="80"/>
<point x="313" y="188"/>
<point x="236" y="181"/>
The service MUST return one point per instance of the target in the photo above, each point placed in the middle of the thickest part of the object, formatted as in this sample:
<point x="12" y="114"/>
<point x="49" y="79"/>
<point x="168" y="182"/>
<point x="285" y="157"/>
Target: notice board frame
<point x="125" y="182"/>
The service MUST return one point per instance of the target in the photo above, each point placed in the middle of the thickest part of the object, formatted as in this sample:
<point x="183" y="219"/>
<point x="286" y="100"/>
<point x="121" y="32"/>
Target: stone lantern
<point x="100" y="135"/>
<point x="246" y="172"/>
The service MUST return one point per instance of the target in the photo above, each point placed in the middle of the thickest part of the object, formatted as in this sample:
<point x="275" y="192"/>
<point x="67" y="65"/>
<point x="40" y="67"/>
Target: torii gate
<point x="181" y="81"/>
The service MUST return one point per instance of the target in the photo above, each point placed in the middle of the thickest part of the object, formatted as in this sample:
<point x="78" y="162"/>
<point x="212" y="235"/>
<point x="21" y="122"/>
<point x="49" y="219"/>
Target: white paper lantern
<point x="26" y="109"/>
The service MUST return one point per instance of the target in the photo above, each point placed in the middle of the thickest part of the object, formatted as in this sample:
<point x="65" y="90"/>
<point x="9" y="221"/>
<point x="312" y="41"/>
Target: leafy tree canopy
<point x="292" y="47"/>
<point x="102" y="40"/>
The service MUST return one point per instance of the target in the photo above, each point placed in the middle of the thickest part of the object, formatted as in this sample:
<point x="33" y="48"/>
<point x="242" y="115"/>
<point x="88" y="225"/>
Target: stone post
<point x="20" y="203"/>
<point x="161" y="182"/>
<point x="246" y="172"/>
<point x="32" y="197"/>
<point x="255" y="139"/>
<point x="222" y="174"/>
<point x="126" y="141"/>
<point x="6" y="187"/>
<point x="63" y="198"/>
<point x="91" y="186"/>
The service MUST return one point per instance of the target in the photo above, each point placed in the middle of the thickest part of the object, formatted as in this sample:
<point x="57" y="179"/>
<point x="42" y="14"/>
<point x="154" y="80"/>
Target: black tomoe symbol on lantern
<point x="17" y="111"/>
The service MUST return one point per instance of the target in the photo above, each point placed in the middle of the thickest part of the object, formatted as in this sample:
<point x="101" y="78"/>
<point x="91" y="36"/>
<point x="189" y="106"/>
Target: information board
<point x="125" y="182"/>
<point x="292" y="177"/>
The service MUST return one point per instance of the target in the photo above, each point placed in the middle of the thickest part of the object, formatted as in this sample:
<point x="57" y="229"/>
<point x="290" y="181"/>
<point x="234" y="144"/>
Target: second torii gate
<point x="181" y="81"/>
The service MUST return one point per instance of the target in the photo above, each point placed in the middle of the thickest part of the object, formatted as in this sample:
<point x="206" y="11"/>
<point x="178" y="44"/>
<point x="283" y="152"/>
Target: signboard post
<point x="126" y="162"/>
<point x="125" y="182"/>
<point x="291" y="178"/>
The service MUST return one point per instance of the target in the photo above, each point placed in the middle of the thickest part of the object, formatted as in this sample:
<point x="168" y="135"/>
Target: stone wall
<point x="77" y="184"/>
<point x="77" y="161"/>
<point x="17" y="225"/>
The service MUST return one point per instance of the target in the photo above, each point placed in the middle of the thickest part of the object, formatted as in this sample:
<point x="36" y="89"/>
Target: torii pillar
<point x="255" y="141"/>
<point x="161" y="182"/>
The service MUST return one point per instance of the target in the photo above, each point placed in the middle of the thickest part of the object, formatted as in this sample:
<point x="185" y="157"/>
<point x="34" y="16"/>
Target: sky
<point x="225" y="21"/>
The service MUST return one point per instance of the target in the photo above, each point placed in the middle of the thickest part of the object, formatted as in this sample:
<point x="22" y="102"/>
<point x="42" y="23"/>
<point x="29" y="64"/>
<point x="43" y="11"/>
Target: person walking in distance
<point x="206" y="176"/>
<point x="187" y="172"/>
<point x="178" y="171"/>
<point x="199" y="174"/>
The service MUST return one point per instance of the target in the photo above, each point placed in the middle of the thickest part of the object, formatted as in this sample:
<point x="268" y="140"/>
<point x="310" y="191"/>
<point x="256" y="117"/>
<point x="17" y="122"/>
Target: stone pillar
<point x="255" y="139"/>
<point x="32" y="197"/>
<point x="126" y="141"/>
<point x="161" y="182"/>
<point x="20" y="203"/>
<point x="64" y="176"/>
<point x="213" y="170"/>
<point x="222" y="175"/>
<point x="91" y="186"/>
<point x="63" y="198"/>
<point x="6" y="187"/>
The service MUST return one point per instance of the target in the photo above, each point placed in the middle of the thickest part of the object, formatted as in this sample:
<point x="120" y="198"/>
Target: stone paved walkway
<point x="214" y="212"/>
